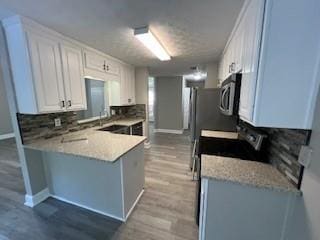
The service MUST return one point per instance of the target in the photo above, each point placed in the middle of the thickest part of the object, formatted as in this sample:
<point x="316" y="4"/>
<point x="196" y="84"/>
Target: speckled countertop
<point x="128" y="121"/>
<point x="219" y="134"/>
<point x="250" y="173"/>
<point x="99" y="145"/>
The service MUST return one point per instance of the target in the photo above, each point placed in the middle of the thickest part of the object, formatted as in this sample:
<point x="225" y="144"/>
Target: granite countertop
<point x="219" y="134"/>
<point x="244" y="172"/>
<point x="99" y="145"/>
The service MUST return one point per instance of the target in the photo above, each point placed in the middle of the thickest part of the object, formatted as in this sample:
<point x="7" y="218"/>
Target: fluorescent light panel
<point x="152" y="43"/>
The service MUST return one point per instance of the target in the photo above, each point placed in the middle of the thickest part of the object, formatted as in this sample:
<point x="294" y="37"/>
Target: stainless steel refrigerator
<point x="206" y="115"/>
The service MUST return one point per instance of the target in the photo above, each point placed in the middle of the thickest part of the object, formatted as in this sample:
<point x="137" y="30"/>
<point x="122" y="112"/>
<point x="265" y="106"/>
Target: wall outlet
<point x="305" y="156"/>
<point x="113" y="112"/>
<point x="57" y="122"/>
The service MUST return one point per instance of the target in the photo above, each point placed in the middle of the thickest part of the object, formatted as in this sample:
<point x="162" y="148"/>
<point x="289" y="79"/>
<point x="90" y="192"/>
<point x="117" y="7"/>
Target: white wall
<point x="212" y="75"/>
<point x="169" y="107"/>
<point x="306" y="216"/>
<point x="142" y="92"/>
<point x="5" y="120"/>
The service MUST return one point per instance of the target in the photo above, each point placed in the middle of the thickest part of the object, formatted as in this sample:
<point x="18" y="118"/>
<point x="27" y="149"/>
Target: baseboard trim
<point x="88" y="208"/>
<point x="172" y="131"/>
<point x="33" y="200"/>
<point x="6" y="136"/>
<point x="147" y="145"/>
<point x="134" y="204"/>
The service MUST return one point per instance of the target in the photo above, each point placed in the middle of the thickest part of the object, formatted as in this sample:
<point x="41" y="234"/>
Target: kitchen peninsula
<point x="97" y="170"/>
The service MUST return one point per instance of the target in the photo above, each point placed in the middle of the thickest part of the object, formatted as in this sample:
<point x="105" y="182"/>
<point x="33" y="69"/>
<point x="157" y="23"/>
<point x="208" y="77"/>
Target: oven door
<point x="227" y="94"/>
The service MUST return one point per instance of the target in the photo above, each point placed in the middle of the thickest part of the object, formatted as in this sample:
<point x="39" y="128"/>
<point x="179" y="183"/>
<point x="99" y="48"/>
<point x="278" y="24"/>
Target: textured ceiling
<point x="193" y="32"/>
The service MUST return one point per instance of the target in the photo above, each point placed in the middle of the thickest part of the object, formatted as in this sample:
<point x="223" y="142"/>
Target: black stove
<point x="249" y="146"/>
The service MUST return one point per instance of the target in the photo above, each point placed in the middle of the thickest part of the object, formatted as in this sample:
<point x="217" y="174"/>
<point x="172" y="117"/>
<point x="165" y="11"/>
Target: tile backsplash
<point x="33" y="127"/>
<point x="282" y="148"/>
<point x="283" y="151"/>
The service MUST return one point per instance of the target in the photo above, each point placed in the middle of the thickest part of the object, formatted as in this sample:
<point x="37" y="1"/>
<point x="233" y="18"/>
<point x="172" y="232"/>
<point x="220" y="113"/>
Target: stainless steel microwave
<point x="230" y="95"/>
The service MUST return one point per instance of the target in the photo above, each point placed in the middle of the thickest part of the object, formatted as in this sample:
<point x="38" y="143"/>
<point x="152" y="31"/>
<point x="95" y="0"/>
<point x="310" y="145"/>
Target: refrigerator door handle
<point x="194" y="158"/>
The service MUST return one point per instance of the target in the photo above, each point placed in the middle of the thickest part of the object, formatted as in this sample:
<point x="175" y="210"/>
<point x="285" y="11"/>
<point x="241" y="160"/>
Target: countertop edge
<point x="132" y="122"/>
<point x="26" y="146"/>
<point x="271" y="188"/>
<point x="219" y="134"/>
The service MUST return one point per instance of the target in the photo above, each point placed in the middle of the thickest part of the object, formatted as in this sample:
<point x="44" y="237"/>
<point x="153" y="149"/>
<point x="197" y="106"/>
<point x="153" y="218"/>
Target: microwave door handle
<point x="223" y="98"/>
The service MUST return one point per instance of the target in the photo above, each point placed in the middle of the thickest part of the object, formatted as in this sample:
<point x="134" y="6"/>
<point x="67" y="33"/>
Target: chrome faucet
<point x="106" y="115"/>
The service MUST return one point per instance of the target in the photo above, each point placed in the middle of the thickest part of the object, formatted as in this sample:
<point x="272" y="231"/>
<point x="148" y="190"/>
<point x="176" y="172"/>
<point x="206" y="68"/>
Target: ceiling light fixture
<point x="151" y="42"/>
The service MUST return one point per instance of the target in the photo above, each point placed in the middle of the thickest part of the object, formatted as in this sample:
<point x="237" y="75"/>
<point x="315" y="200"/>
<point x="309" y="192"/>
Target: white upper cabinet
<point x="231" y="60"/>
<point x="131" y="83"/>
<point x="251" y="26"/>
<point x="75" y="92"/>
<point x="122" y="88"/>
<point x="280" y="52"/>
<point x="47" y="70"/>
<point x="119" y="77"/>
<point x="99" y="66"/>
<point x="112" y="67"/>
<point x="45" y="63"/>
<point x="94" y="62"/>
<point x="127" y="88"/>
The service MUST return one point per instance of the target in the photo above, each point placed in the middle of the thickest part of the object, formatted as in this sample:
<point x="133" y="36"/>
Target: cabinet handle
<point x="129" y="100"/>
<point x="233" y="67"/>
<point x="107" y="67"/>
<point x="104" y="66"/>
<point x="62" y="104"/>
<point x="69" y="103"/>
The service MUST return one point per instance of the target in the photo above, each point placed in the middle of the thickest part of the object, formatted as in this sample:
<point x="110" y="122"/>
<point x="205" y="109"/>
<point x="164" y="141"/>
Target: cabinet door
<point x="203" y="208"/>
<point x="114" y="92"/>
<point x="73" y="77"/>
<point x="112" y="67"/>
<point x="132" y="86"/>
<point x="251" y="48"/>
<point x="232" y="55"/>
<point x="94" y="61"/>
<point x="238" y="48"/>
<point x="224" y="67"/>
<point x="124" y="85"/>
<point x="47" y="74"/>
<point x="227" y="63"/>
<point x="127" y="85"/>
<point x="220" y="71"/>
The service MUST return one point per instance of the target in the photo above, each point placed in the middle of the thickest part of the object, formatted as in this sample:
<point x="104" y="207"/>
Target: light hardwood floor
<point x="165" y="211"/>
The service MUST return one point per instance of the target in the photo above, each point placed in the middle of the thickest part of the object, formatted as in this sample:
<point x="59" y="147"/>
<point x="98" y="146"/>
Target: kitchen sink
<point x="120" y="129"/>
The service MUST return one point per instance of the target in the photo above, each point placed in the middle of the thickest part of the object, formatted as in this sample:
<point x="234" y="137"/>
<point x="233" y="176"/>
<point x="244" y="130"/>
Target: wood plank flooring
<point x="165" y="211"/>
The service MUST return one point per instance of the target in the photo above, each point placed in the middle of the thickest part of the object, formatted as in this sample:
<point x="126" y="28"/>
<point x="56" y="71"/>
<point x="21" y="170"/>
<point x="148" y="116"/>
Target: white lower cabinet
<point x="236" y="211"/>
<point x="47" y="70"/>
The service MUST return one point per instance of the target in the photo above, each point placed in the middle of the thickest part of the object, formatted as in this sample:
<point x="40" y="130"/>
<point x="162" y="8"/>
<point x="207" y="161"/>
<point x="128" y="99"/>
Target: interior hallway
<point x="165" y="211"/>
